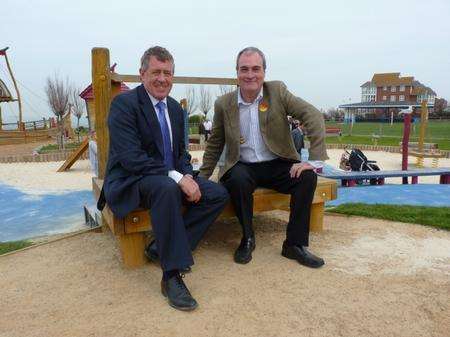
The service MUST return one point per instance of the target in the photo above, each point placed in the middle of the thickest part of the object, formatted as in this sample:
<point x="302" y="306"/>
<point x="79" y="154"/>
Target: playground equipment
<point x="3" y="53"/>
<point x="22" y="132"/>
<point x="130" y="231"/>
<point x="422" y="151"/>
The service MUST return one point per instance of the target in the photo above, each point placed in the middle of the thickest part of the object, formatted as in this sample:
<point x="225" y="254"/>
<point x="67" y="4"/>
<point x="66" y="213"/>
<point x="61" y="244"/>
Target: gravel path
<point x="381" y="279"/>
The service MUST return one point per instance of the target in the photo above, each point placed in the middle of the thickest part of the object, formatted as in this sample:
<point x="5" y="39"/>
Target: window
<point x="385" y="88"/>
<point x="392" y="98"/>
<point x="384" y="98"/>
<point x="402" y="88"/>
<point x="393" y="88"/>
<point x="402" y="98"/>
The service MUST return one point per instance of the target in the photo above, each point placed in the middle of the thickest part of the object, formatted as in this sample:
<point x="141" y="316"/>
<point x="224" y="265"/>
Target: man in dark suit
<point x="252" y="123"/>
<point x="149" y="166"/>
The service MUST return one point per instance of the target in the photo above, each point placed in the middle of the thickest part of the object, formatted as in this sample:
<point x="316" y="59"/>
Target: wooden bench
<point x="349" y="178"/>
<point x="131" y="231"/>
<point x="333" y="131"/>
<point x="426" y="146"/>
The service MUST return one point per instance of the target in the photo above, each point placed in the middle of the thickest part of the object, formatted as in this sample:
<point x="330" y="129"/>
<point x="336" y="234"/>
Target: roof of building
<point x="88" y="92"/>
<point x="420" y="88"/>
<point x="385" y="79"/>
<point x="367" y="84"/>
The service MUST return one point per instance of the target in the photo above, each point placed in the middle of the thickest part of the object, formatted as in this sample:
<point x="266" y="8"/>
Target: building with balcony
<point x="389" y="93"/>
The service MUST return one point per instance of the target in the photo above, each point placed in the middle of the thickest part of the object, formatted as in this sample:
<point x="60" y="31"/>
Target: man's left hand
<point x="298" y="168"/>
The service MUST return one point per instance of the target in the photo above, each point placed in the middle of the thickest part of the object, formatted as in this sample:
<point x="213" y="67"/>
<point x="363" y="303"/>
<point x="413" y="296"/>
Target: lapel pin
<point x="263" y="106"/>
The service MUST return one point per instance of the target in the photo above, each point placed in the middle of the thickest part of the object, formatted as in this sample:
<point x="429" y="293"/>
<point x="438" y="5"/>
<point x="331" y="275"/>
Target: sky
<point x="322" y="50"/>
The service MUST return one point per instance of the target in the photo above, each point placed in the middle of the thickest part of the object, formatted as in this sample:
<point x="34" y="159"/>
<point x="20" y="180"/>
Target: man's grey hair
<point x="161" y="54"/>
<point x="251" y="50"/>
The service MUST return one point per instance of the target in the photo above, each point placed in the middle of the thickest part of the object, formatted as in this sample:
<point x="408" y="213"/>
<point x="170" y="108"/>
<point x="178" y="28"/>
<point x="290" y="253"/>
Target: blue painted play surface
<point x="26" y="215"/>
<point x="420" y="195"/>
<point x="394" y="194"/>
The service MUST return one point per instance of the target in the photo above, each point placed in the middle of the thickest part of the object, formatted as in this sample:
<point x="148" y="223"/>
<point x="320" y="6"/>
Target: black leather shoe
<point x="151" y="252"/>
<point x="302" y="255"/>
<point x="178" y="294"/>
<point x="243" y="253"/>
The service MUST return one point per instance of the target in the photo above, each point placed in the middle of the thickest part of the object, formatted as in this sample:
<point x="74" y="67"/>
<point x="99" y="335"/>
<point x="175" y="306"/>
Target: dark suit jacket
<point x="136" y="147"/>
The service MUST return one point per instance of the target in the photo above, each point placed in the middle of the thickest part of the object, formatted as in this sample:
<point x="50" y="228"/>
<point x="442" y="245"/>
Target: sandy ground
<point x="42" y="178"/>
<point x="380" y="279"/>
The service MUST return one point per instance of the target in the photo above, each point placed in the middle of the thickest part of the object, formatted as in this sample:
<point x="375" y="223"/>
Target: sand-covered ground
<point x="380" y="279"/>
<point x="42" y="178"/>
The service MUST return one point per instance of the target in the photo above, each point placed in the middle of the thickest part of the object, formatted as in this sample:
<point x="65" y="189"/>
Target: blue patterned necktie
<point x="168" y="155"/>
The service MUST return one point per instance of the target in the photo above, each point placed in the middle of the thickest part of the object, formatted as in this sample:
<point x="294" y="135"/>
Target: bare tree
<point x="205" y="102"/>
<point x="191" y="100"/>
<point x="58" y="93"/>
<point x="225" y="89"/>
<point x="77" y="106"/>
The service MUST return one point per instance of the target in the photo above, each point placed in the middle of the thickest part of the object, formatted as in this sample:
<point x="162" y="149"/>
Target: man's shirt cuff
<point x="175" y="175"/>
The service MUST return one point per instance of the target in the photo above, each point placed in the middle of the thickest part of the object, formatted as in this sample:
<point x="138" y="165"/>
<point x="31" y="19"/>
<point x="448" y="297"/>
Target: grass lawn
<point x="430" y="216"/>
<point x="437" y="132"/>
<point x="6" y="247"/>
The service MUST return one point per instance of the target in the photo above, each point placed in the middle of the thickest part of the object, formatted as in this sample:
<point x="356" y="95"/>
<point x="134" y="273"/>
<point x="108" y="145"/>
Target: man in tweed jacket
<point x="252" y="123"/>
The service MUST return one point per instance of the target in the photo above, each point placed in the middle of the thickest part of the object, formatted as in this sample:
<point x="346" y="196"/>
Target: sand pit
<point x="42" y="178"/>
<point x="381" y="279"/>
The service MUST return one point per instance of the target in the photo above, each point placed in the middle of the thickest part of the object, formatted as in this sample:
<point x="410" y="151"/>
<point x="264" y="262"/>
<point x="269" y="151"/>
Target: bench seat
<point x="130" y="231"/>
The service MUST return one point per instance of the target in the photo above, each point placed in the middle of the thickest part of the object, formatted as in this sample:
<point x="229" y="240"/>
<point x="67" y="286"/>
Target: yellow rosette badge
<point x="263" y="106"/>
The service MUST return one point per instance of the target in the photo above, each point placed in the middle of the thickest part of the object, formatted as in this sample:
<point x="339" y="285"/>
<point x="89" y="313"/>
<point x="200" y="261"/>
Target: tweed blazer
<point x="276" y="105"/>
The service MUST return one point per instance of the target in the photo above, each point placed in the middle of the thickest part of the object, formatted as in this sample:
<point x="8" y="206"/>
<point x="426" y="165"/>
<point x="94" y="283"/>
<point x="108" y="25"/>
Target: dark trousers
<point x="177" y="233"/>
<point x="242" y="180"/>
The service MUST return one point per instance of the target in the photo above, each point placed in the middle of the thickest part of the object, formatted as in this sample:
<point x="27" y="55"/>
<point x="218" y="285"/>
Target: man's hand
<point x="190" y="188"/>
<point x="298" y="168"/>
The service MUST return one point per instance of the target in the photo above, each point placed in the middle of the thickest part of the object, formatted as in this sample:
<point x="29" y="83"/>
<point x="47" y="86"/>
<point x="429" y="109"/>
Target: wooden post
<point x="316" y="221"/>
<point x="405" y="142"/>
<point x="101" y="84"/>
<point x="423" y="128"/>
<point x="132" y="247"/>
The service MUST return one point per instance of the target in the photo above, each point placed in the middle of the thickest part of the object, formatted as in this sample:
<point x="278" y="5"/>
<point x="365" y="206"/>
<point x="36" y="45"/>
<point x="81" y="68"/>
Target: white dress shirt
<point x="174" y="174"/>
<point x="252" y="149"/>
